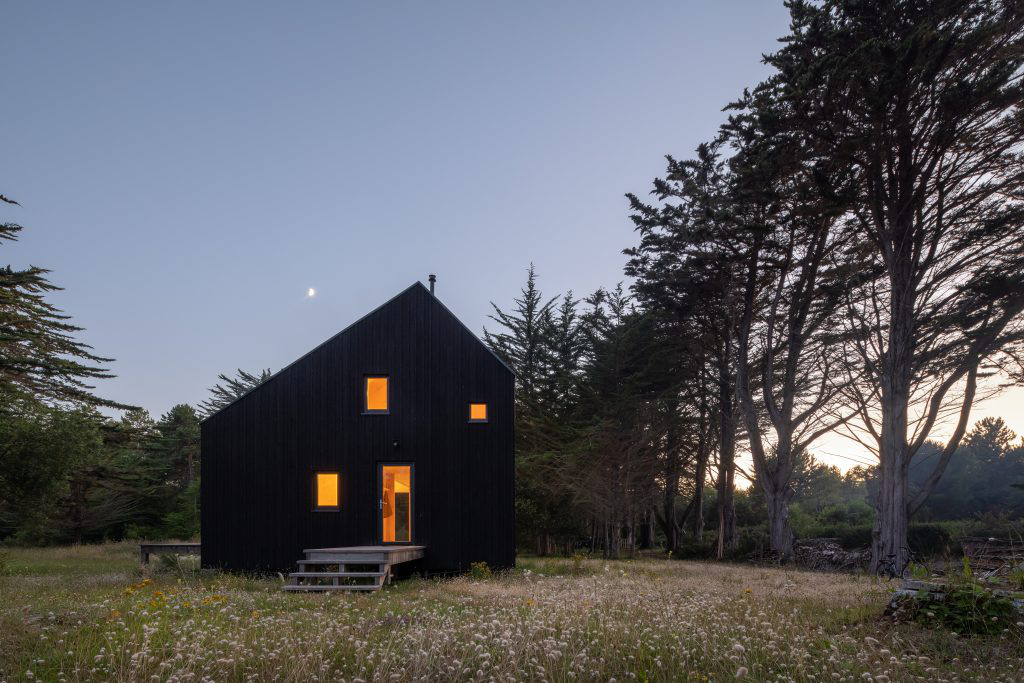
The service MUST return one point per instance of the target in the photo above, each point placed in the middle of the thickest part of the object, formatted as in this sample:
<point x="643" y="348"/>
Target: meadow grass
<point x="88" y="613"/>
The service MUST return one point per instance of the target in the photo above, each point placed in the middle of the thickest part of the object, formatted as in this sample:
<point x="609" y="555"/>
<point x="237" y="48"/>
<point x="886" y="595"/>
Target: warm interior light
<point x="478" y="412"/>
<point x="376" y="394"/>
<point x="327" y="489"/>
<point x="396" y="503"/>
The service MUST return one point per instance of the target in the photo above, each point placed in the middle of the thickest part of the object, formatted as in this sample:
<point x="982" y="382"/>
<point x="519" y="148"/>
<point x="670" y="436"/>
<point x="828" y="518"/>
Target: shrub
<point x="931" y="540"/>
<point x="480" y="571"/>
<point x="852" y="513"/>
<point x="577" y="563"/>
<point x="690" y="548"/>
<point x="849" y="536"/>
<point x="1017" y="579"/>
<point x="966" y="607"/>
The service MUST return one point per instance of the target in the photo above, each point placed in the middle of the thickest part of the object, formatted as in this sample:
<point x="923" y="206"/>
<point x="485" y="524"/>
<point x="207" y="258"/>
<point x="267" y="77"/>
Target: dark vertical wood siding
<point x="259" y="454"/>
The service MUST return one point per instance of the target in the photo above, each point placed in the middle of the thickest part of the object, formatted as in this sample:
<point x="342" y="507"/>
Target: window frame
<point x="316" y="507"/>
<point x="366" y="393"/>
<point x="487" y="412"/>
<point x="381" y="464"/>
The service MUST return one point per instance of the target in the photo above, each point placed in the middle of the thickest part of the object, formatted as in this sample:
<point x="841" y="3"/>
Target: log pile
<point x="825" y="554"/>
<point x="820" y="554"/>
<point x="991" y="557"/>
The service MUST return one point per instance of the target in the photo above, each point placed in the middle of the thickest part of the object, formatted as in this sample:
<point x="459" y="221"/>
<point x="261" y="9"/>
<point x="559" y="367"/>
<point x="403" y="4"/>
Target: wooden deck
<point x="147" y="549"/>
<point x="351" y="568"/>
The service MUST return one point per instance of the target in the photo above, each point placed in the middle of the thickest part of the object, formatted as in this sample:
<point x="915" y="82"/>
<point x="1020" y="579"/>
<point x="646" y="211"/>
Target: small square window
<point x="375" y="395"/>
<point x="327" y="494"/>
<point x="478" y="412"/>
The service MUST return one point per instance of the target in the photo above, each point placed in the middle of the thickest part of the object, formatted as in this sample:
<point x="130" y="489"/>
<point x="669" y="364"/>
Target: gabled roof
<point x="354" y="324"/>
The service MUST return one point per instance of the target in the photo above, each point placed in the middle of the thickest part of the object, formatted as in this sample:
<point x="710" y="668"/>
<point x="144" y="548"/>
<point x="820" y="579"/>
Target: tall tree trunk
<point x="889" y="535"/>
<point x="701" y="470"/>
<point x="667" y="518"/>
<point x="780" y="531"/>
<point x="614" y="535"/>
<point x="698" y="493"/>
<point x="726" y="511"/>
<point x="648" y="531"/>
<point x="726" y="452"/>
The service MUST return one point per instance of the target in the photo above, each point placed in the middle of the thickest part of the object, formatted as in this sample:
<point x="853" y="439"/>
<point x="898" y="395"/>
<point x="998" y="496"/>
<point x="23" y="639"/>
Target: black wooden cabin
<point x="397" y="430"/>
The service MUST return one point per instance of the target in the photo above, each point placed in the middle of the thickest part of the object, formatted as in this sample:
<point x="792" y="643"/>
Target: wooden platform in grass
<point x="147" y="549"/>
<point x="351" y="568"/>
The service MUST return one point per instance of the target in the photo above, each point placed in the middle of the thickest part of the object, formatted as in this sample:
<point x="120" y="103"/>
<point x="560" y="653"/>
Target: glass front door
<point x="396" y="503"/>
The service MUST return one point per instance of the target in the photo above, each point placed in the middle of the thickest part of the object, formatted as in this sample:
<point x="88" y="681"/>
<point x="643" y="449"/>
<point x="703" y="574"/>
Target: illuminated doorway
<point x="396" y="503"/>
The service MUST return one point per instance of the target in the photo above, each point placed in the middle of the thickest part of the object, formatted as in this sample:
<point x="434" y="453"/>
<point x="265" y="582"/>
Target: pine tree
<point x="687" y="264"/>
<point x="521" y="342"/>
<point x="544" y="350"/>
<point x="230" y="389"/>
<point x="617" y="459"/>
<point x="40" y="360"/>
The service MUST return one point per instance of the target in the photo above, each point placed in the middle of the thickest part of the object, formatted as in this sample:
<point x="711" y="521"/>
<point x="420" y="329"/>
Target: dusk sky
<point x="189" y="170"/>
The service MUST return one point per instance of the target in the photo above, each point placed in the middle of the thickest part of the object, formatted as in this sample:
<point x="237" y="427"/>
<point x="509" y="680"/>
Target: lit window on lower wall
<point x="326" y="491"/>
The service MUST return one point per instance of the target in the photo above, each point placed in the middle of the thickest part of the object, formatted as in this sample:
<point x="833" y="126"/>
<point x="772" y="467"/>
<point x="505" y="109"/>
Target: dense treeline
<point x="75" y="476"/>
<point x="71" y="474"/>
<point x="845" y="255"/>
<point x="599" y="468"/>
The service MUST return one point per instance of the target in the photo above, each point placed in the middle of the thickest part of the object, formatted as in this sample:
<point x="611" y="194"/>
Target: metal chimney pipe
<point x="432" y="279"/>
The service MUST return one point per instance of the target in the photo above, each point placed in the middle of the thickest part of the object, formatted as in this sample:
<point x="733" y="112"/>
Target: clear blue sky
<point x="188" y="170"/>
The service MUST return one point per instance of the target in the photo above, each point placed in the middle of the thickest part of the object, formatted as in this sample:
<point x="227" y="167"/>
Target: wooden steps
<point x="355" y="568"/>
<point x="329" y="587"/>
<point x="308" y="575"/>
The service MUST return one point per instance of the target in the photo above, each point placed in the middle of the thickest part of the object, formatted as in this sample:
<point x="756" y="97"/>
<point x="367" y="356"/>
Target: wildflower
<point x="738" y="648"/>
<point x="741" y="672"/>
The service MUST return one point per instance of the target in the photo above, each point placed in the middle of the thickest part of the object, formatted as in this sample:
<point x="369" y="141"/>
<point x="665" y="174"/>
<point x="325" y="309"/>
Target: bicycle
<point x="887" y="568"/>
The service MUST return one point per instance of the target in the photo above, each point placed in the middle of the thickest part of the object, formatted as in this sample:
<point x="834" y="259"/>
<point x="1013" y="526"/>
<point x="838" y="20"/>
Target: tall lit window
<point x="326" y="494"/>
<point x="478" y="412"/>
<point x="375" y="395"/>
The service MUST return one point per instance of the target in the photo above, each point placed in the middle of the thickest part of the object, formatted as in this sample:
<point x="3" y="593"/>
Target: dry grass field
<point x="88" y="613"/>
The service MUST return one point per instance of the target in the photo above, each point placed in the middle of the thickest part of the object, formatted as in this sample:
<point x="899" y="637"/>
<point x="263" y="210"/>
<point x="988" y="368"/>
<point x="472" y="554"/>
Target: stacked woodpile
<point x="820" y="554"/>
<point x="825" y="554"/>
<point x="992" y="557"/>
